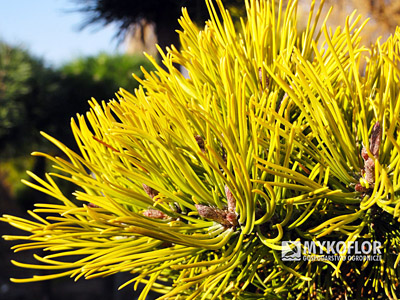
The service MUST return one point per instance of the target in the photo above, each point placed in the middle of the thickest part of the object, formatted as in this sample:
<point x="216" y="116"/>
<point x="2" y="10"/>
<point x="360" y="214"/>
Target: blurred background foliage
<point x="35" y="97"/>
<point x="136" y="16"/>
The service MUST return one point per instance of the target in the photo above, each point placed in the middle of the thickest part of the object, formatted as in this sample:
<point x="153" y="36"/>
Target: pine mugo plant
<point x="194" y="184"/>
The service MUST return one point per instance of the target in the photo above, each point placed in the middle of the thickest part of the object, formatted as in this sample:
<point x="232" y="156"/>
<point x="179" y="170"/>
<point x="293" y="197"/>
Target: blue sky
<point x="49" y="30"/>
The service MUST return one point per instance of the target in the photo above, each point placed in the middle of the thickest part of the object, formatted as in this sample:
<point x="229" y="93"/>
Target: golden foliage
<point x="191" y="184"/>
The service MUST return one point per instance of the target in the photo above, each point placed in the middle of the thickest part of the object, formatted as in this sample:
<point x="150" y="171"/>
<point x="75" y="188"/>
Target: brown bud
<point x="375" y="139"/>
<point x="220" y="216"/>
<point x="150" y="191"/>
<point x="232" y="218"/>
<point x="200" y="142"/>
<point x="364" y="153"/>
<point x="212" y="213"/>
<point x="230" y="199"/>
<point x="359" y="188"/>
<point x="154" y="214"/>
<point x="374" y="142"/>
<point x="260" y="77"/>
<point x="92" y="205"/>
<point x="369" y="163"/>
<point x="369" y="169"/>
